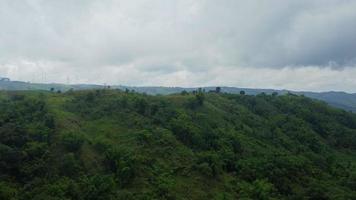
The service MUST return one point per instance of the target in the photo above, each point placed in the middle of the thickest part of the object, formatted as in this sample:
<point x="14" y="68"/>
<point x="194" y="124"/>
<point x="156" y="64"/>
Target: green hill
<point x="108" y="144"/>
<point x="343" y="100"/>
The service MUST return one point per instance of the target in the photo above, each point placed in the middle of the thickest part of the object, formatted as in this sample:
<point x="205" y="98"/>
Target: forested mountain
<point x="341" y="100"/>
<point x="111" y="144"/>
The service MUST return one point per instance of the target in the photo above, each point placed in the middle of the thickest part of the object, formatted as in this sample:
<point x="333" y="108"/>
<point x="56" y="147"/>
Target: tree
<point x="184" y="129"/>
<point x="200" y="98"/>
<point x="122" y="163"/>
<point x="218" y="89"/>
<point x="242" y="92"/>
<point x="184" y="92"/>
<point x="90" y="96"/>
<point x="141" y="105"/>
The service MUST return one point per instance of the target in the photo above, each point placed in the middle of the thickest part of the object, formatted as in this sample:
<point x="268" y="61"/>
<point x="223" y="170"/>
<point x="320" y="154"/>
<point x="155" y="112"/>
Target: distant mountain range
<point x="341" y="100"/>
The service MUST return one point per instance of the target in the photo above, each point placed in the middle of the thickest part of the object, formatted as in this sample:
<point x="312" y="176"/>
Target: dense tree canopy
<point x="108" y="144"/>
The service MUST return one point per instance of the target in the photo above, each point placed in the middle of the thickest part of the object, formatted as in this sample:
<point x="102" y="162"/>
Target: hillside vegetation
<point x="109" y="144"/>
<point x="346" y="101"/>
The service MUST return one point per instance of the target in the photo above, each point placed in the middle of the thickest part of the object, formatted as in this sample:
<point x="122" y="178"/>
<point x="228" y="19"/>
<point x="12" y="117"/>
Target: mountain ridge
<point x="339" y="99"/>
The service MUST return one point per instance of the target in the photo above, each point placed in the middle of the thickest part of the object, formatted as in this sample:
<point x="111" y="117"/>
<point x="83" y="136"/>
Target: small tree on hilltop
<point x="218" y="89"/>
<point x="200" y="98"/>
<point x="184" y="92"/>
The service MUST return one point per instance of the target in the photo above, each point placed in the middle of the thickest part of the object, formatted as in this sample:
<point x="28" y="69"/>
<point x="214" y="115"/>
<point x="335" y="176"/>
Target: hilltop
<point x="111" y="144"/>
<point x="341" y="100"/>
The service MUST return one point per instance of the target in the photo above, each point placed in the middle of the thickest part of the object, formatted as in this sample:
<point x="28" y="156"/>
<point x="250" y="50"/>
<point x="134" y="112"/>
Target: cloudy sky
<point x="289" y="44"/>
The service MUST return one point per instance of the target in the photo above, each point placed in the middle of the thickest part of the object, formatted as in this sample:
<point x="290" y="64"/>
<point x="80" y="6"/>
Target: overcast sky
<point x="282" y="44"/>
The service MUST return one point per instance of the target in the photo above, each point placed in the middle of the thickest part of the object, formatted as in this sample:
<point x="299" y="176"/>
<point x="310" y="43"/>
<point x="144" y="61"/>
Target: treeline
<point x="111" y="144"/>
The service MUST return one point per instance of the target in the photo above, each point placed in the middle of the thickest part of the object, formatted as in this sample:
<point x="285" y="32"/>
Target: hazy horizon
<point x="183" y="87"/>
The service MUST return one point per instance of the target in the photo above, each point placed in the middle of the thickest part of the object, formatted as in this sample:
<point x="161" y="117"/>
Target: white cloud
<point x="264" y="43"/>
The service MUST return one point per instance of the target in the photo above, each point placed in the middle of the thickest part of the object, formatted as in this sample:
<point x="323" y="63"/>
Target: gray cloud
<point x="176" y="42"/>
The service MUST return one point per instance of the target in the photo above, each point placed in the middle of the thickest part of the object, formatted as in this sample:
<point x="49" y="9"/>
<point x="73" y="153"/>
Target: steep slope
<point x="108" y="144"/>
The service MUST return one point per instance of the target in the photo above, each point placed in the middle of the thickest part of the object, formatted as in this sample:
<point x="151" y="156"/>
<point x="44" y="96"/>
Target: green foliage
<point x="7" y="192"/>
<point x="72" y="141"/>
<point x="258" y="189"/>
<point x="200" y="98"/>
<point x="24" y="137"/>
<point x="109" y="144"/>
<point x="97" y="187"/>
<point x="141" y="105"/>
<point x="122" y="163"/>
<point x="209" y="164"/>
<point x="69" y="165"/>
